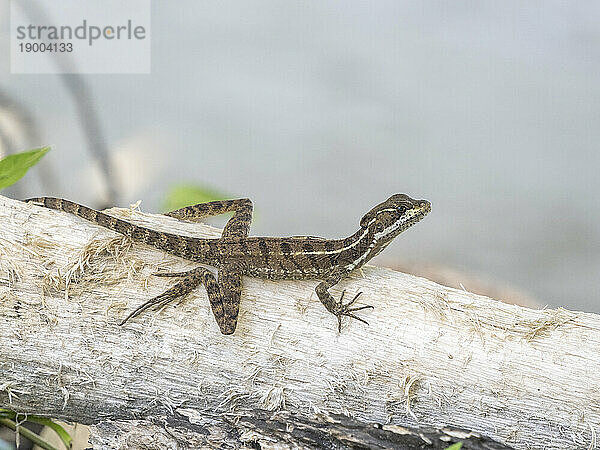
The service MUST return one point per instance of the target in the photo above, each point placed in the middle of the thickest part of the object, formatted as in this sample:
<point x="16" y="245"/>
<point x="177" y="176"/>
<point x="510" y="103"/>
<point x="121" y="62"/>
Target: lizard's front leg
<point x="338" y="308"/>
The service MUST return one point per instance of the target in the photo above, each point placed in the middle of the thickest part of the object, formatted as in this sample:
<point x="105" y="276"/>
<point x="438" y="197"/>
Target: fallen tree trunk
<point x="432" y="356"/>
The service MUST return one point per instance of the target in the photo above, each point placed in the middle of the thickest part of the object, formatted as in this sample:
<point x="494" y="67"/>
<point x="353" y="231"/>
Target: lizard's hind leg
<point x="223" y="294"/>
<point x="192" y="279"/>
<point x="237" y="226"/>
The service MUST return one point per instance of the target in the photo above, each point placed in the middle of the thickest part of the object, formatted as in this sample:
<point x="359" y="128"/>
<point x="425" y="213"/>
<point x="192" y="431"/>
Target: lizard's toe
<point x="171" y="274"/>
<point x="344" y="310"/>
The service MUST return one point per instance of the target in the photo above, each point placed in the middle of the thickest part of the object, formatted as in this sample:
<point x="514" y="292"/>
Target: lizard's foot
<point x="180" y="289"/>
<point x="156" y="303"/>
<point x="342" y="310"/>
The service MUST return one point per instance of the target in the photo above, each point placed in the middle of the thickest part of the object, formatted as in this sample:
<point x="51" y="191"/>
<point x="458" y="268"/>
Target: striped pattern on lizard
<point x="236" y="254"/>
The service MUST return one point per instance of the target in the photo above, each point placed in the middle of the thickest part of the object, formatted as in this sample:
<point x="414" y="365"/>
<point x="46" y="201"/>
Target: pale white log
<point x="430" y="356"/>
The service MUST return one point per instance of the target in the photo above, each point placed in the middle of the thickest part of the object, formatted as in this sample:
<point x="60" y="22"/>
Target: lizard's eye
<point x="401" y="209"/>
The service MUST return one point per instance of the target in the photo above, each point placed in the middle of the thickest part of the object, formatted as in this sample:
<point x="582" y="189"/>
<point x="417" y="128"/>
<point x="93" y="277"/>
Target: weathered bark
<point x="283" y="430"/>
<point x="432" y="356"/>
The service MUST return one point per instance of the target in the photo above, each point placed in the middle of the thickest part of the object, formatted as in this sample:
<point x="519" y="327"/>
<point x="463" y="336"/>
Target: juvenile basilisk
<point x="235" y="254"/>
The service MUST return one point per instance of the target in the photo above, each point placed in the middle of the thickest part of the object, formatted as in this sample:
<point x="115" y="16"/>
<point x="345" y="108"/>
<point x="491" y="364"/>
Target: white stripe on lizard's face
<point x="390" y="229"/>
<point x="402" y="223"/>
<point x="382" y="238"/>
<point x="358" y="262"/>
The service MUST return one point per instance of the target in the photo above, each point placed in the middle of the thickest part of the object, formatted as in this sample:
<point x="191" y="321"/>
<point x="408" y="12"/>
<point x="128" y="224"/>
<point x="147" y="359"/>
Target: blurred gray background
<point x="319" y="110"/>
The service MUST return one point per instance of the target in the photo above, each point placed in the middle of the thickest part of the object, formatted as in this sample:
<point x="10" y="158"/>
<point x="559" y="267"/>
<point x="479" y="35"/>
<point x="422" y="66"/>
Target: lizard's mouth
<point x="425" y="207"/>
<point x="408" y="219"/>
<point x="416" y="214"/>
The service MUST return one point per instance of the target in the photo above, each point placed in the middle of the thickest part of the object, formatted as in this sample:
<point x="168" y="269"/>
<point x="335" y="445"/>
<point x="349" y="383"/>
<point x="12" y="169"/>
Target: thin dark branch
<point x="86" y="112"/>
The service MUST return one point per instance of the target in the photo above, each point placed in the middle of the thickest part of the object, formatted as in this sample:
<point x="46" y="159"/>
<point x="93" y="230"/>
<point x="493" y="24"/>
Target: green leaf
<point x="13" y="167"/>
<point x="26" y="432"/>
<point x="456" y="446"/>
<point x="58" y="429"/>
<point x="7" y="414"/>
<point x="189" y="194"/>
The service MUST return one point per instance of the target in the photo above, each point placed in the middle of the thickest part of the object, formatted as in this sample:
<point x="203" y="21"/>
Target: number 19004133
<point x="41" y="47"/>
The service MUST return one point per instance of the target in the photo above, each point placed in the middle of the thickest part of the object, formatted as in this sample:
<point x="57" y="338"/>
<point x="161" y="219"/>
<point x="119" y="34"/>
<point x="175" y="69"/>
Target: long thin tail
<point x="174" y="244"/>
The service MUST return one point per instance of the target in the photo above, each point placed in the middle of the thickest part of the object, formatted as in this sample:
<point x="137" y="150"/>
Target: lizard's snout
<point x="424" y="206"/>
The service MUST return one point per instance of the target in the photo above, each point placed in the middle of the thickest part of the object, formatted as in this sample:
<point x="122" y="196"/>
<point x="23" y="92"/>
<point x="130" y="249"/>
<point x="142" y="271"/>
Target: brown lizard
<point x="235" y="254"/>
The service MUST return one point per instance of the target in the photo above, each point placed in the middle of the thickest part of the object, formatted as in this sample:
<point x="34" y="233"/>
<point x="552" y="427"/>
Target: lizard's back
<point x="298" y="257"/>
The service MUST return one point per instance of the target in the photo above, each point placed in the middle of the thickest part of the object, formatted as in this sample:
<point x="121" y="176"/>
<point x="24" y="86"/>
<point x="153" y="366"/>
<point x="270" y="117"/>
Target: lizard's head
<point x="396" y="214"/>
